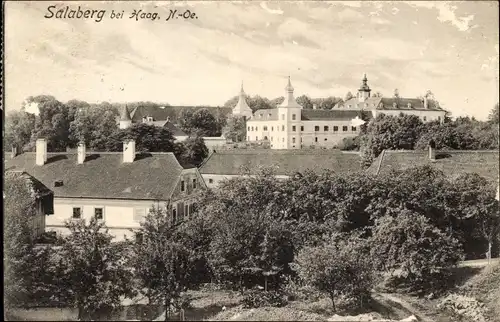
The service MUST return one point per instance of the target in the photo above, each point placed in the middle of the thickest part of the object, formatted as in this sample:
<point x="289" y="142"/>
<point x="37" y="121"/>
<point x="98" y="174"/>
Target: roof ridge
<point x="206" y="159"/>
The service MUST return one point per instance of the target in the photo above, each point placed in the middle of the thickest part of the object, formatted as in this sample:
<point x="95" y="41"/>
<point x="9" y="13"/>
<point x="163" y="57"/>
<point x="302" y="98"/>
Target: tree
<point x="201" y="121"/>
<point x="348" y="96"/>
<point x="392" y="132"/>
<point x="422" y="252"/>
<point x="20" y="263"/>
<point x="161" y="261"/>
<point x="195" y="150"/>
<point x="95" y="271"/>
<point x="148" y="138"/>
<point x="473" y="200"/>
<point x="338" y="267"/>
<point x="19" y="127"/>
<point x="52" y="123"/>
<point x="305" y="101"/>
<point x="236" y="129"/>
<point x="94" y="124"/>
<point x="245" y="247"/>
<point x="493" y="116"/>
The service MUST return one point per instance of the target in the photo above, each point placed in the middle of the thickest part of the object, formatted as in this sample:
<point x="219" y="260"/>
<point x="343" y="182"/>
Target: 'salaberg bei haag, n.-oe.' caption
<point x="97" y="15"/>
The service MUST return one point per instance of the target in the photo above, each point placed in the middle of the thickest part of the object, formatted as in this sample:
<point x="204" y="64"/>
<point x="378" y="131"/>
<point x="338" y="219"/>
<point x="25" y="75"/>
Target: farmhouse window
<point x="77" y="213"/>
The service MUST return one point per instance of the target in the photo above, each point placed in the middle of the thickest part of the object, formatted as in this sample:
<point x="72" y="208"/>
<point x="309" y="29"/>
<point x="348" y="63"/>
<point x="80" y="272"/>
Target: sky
<point x="450" y="48"/>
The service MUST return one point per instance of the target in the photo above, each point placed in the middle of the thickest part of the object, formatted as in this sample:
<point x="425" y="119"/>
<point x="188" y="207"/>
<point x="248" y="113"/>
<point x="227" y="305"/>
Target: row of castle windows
<point x="283" y="139"/>
<point x="316" y="128"/>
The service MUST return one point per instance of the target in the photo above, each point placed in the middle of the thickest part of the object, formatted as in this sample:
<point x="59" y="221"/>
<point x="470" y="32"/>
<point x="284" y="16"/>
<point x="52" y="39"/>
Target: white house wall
<point x="213" y="180"/>
<point x="120" y="216"/>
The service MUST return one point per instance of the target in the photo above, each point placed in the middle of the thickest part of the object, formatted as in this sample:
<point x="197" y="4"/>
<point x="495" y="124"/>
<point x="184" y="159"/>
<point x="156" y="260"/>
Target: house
<point x="426" y="109"/>
<point x="452" y="163"/>
<point x="290" y="127"/>
<point x="43" y="200"/>
<point x="227" y="164"/>
<point x="118" y="188"/>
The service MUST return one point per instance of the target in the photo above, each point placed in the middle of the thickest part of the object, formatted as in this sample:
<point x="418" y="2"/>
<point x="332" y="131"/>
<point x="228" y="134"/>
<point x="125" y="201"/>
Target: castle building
<point x="426" y="109"/>
<point x="290" y="127"/>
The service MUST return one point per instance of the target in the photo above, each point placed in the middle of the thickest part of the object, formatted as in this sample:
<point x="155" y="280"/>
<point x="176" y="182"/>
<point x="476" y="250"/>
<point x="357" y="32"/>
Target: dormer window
<point x="409" y="105"/>
<point x="144" y="119"/>
<point x="269" y="115"/>
<point x="150" y="119"/>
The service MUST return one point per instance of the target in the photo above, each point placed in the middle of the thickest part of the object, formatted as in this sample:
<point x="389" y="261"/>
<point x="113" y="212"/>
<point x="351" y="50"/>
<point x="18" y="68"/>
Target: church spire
<point x="242" y="108"/>
<point x="289" y="87"/>
<point x="289" y="98"/>
<point x="364" y="90"/>
<point x="125" y="116"/>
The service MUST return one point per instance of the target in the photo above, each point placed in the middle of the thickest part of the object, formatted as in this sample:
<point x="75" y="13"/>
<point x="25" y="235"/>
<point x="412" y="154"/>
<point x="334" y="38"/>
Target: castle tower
<point x="289" y="120"/>
<point x="364" y="90"/>
<point x="242" y="108"/>
<point x="125" y="120"/>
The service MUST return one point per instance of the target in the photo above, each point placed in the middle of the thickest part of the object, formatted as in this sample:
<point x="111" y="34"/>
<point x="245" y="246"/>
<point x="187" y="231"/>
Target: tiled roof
<point x="340" y="115"/>
<point x="38" y="188"/>
<point x="369" y="103"/>
<point x="402" y="104"/>
<point x="270" y="114"/>
<point x="452" y="163"/>
<point x="103" y="175"/>
<point x="285" y="162"/>
<point x="170" y="112"/>
<point x="174" y="129"/>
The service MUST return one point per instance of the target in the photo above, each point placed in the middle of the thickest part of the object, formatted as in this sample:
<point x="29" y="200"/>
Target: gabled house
<point x="118" y="188"/>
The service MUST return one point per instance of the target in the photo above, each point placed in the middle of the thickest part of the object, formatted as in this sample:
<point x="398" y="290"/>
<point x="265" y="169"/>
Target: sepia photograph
<point x="251" y="161"/>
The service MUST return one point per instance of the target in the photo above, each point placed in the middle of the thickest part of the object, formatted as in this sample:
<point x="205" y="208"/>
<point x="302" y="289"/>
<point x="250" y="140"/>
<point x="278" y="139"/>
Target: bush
<point x="350" y="144"/>
<point x="255" y="298"/>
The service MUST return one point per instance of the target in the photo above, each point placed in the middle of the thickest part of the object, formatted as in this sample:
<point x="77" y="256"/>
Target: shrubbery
<point x="255" y="298"/>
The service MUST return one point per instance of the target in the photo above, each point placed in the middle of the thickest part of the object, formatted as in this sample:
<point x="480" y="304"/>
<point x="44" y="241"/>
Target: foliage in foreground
<point x="423" y="254"/>
<point x="94" y="272"/>
<point x="339" y="268"/>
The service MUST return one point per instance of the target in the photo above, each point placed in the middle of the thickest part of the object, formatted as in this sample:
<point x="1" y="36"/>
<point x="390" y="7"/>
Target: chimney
<point x="129" y="151"/>
<point x="41" y="151"/>
<point x="14" y="151"/>
<point x="432" y="150"/>
<point x="81" y="153"/>
<point x="426" y="102"/>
